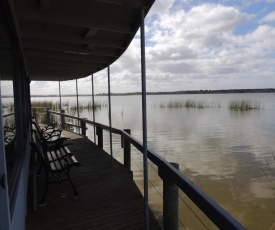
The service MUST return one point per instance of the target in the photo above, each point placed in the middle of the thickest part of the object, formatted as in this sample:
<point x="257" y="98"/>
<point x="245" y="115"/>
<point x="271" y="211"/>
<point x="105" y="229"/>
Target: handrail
<point x="39" y="107"/>
<point x="9" y="114"/>
<point x="215" y="213"/>
<point x="221" y="218"/>
<point x="66" y="115"/>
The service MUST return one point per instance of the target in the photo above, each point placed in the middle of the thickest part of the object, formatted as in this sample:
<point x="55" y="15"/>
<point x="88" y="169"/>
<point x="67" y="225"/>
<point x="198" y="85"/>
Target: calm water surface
<point x="230" y="155"/>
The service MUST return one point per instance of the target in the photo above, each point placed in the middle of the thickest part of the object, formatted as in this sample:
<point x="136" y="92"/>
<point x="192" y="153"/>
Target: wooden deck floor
<point x="109" y="198"/>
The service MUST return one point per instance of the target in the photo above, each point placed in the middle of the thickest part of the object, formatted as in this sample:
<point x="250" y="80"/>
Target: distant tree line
<point x="220" y="91"/>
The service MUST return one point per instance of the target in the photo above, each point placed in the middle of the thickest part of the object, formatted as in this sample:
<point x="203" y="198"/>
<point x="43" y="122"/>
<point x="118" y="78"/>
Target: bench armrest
<point x="50" y="128"/>
<point x="53" y="134"/>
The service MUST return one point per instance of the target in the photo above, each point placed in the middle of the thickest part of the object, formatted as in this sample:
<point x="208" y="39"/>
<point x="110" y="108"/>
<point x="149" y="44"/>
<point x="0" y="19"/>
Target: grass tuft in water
<point x="38" y="108"/>
<point x="89" y="106"/>
<point x="187" y="104"/>
<point x="244" y="105"/>
<point x="44" y="104"/>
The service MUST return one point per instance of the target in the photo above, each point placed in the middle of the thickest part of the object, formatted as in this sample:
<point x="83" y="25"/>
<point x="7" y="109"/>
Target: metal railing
<point x="170" y="175"/>
<point x="8" y="115"/>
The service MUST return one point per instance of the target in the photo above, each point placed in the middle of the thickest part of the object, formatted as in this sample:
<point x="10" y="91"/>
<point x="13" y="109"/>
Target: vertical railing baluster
<point x="170" y="201"/>
<point x="62" y="119"/>
<point x="34" y="113"/>
<point x="99" y="132"/>
<point x="83" y="126"/>
<point x="127" y="152"/>
<point x="48" y="116"/>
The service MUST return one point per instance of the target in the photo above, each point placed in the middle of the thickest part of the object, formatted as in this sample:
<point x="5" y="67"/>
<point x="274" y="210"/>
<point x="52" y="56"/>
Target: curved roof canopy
<point x="65" y="39"/>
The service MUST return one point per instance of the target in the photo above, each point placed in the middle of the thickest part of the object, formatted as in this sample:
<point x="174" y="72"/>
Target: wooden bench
<point x="57" y="161"/>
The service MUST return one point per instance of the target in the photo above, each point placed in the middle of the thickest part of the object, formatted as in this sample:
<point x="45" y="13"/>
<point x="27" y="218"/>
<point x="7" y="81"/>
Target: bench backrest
<point x="37" y="128"/>
<point x="36" y="144"/>
<point x="58" y="159"/>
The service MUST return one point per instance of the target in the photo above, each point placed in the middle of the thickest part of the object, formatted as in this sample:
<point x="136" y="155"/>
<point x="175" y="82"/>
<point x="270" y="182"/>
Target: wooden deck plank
<point x="109" y="198"/>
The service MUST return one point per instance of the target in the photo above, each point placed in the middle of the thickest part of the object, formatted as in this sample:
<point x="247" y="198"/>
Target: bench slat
<point x="57" y="159"/>
<point x="55" y="166"/>
<point x="66" y="148"/>
<point x="75" y="161"/>
<point x="64" y="152"/>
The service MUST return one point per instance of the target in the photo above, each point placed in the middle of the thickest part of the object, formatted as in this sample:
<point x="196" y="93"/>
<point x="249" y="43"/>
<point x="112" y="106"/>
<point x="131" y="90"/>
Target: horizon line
<point x="256" y="90"/>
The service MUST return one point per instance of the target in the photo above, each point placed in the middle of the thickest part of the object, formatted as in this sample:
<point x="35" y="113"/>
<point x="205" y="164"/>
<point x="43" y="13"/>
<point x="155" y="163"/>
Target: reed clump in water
<point x="38" y="107"/>
<point x="44" y="104"/>
<point x="187" y="104"/>
<point x="89" y="106"/>
<point x="244" y="105"/>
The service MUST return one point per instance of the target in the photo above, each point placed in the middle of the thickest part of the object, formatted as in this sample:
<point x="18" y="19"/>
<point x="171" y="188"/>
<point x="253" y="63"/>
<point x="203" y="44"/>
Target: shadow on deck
<point x="109" y="198"/>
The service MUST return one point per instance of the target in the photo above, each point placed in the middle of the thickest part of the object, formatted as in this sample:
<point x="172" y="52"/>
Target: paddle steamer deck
<point x="109" y="198"/>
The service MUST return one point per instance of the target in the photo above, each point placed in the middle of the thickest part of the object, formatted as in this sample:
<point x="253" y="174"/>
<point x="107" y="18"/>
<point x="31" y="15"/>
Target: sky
<point x="193" y="45"/>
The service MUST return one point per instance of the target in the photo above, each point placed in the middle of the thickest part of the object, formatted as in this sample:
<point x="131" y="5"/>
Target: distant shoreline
<point x="223" y="91"/>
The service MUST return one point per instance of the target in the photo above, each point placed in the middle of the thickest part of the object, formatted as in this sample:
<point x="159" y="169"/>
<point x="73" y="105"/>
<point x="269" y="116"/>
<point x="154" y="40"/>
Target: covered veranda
<point x="55" y="41"/>
<point x="66" y="40"/>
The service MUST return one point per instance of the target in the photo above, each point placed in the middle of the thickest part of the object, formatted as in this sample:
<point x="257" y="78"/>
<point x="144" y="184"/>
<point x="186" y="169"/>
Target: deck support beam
<point x="110" y="114"/>
<point x="77" y="103"/>
<point x="60" y="107"/>
<point x="144" y="118"/>
<point x="93" y="99"/>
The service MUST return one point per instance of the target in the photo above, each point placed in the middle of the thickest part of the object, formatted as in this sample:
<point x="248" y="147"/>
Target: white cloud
<point x="161" y="7"/>
<point x="198" y="49"/>
<point x="248" y="3"/>
<point x="200" y="25"/>
<point x="269" y="18"/>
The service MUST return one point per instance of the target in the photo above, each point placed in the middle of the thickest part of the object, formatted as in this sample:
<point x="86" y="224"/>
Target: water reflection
<point x="229" y="155"/>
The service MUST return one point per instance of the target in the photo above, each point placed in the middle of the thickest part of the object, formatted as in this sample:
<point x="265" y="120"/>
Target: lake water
<point x="230" y="155"/>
